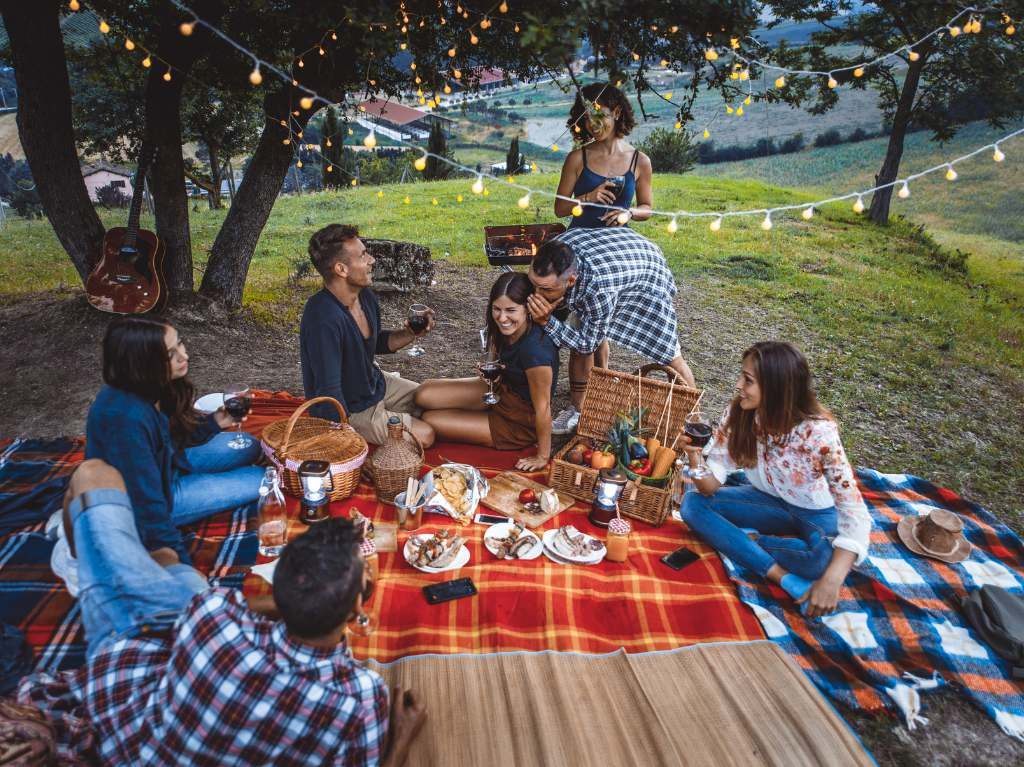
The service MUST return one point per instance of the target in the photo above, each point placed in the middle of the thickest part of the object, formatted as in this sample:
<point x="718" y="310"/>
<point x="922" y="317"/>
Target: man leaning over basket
<point x="616" y="284"/>
<point x="340" y="335"/>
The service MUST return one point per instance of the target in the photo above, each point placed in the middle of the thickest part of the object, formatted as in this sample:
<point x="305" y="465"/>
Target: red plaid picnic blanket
<point x="535" y="605"/>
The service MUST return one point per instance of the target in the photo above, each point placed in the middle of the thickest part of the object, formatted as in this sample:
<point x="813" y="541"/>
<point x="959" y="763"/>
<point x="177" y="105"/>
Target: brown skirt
<point x="512" y="421"/>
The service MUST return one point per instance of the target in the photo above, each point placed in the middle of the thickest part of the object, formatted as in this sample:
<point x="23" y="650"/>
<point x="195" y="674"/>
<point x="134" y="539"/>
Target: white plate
<point x="500" y="530"/>
<point x="461" y="559"/>
<point x="208" y="403"/>
<point x="550" y="547"/>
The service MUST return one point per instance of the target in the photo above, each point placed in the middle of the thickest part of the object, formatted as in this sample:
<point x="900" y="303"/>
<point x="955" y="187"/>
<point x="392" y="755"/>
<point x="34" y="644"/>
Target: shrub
<point x="670" y="151"/>
<point x="111" y="196"/>
<point x="858" y="135"/>
<point x="830" y="137"/>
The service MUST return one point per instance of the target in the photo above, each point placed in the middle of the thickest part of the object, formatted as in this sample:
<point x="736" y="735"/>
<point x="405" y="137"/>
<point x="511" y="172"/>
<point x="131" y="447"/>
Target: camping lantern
<point x="315" y="477"/>
<point x="607" y="491"/>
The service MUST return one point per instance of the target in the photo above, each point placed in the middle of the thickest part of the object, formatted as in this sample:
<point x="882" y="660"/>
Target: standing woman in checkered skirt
<point x="801" y="521"/>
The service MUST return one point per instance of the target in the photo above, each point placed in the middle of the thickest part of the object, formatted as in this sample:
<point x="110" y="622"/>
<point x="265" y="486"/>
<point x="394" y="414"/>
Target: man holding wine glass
<point x="341" y="333"/>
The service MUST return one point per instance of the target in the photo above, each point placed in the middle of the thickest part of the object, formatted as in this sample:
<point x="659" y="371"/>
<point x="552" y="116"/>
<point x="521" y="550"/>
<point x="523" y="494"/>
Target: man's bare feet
<point x="408" y="713"/>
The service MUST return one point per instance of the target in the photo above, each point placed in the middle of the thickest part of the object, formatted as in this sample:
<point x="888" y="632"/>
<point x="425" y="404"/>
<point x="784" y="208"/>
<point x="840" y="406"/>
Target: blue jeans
<point x="718" y="519"/>
<point x="123" y="592"/>
<point x="221" y="478"/>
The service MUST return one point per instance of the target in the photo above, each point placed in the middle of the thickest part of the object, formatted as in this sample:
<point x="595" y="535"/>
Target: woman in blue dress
<point x="605" y="169"/>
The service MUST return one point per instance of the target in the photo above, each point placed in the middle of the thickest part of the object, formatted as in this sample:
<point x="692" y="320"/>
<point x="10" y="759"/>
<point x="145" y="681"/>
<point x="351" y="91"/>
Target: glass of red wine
<point x="699" y="430"/>
<point x="616" y="184"/>
<point x="490" y="371"/>
<point x="419" y="318"/>
<point x="237" y="403"/>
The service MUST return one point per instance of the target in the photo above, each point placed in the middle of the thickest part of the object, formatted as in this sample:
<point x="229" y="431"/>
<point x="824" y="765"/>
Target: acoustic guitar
<point x="129" y="279"/>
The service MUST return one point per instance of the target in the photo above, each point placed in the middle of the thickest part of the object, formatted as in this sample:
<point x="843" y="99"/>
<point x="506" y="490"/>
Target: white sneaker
<point x="64" y="565"/>
<point x="566" y="421"/>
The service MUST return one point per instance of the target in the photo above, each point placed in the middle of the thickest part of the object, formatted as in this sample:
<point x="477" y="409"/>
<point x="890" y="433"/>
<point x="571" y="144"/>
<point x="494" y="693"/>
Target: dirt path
<point x="49" y="373"/>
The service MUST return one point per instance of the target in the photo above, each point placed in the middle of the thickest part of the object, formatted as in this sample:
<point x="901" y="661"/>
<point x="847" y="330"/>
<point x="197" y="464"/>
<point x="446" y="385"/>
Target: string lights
<point x="972" y="26"/>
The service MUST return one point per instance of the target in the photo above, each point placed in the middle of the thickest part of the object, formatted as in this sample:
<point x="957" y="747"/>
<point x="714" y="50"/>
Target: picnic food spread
<point x="436" y="551"/>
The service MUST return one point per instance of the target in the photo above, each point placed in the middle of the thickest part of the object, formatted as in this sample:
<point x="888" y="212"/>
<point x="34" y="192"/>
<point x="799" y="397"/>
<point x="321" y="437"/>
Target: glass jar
<point x="618" y="540"/>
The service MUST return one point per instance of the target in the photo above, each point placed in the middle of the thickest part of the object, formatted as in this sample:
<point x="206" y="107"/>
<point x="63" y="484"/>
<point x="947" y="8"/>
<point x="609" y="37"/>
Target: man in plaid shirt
<point x="174" y="677"/>
<point x="618" y="286"/>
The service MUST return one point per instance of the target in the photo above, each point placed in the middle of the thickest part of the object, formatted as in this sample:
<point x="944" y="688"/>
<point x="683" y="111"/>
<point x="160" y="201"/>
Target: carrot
<point x="663" y="461"/>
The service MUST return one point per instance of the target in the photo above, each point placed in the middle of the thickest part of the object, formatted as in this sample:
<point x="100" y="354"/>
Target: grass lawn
<point x="895" y="337"/>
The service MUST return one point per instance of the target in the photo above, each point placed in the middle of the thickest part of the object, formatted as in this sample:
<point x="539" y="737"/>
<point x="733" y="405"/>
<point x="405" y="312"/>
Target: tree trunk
<point x="216" y="174"/>
<point x="44" y="127"/>
<point x="231" y="180"/>
<point x="881" y="200"/>
<point x="224" y="279"/>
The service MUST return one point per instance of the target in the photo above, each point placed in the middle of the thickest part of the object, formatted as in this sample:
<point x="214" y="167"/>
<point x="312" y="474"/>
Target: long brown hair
<point x="609" y="97"/>
<point x="518" y="288"/>
<point x="135" y="360"/>
<point x="787" y="399"/>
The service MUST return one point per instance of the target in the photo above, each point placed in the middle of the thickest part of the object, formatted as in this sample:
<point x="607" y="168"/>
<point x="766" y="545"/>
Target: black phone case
<point x="444" y="592"/>
<point x="680" y="558"/>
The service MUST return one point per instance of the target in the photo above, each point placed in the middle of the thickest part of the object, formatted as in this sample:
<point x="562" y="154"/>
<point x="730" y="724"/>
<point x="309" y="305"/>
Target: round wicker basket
<point x="288" y="442"/>
<point x="394" y="462"/>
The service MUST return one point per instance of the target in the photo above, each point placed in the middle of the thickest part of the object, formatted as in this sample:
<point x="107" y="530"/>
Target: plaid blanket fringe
<point x="898" y="630"/>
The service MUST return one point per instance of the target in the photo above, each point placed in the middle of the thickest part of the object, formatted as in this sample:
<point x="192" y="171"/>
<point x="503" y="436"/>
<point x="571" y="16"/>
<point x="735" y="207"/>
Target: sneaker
<point x="63" y="565"/>
<point x="566" y="421"/>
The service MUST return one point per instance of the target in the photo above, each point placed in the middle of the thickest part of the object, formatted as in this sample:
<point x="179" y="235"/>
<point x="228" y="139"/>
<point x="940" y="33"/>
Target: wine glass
<point x="237" y="403"/>
<point x="699" y="430"/>
<point x="364" y="623"/>
<point x="490" y="371"/>
<point x="616" y="184"/>
<point x="419" y="317"/>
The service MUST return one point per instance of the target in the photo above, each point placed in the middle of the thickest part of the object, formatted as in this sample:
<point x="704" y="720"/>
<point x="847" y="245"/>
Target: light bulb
<point x="747" y="101"/>
<point x="516" y="29"/>
<point x="167" y="76"/>
<point x="503" y="8"/>
<point x="716" y="225"/>
<point x="858" y="72"/>
<point x="286" y="141"/>
<point x="433" y="201"/>
<point x="951" y="174"/>
<point x="954" y="31"/>
<point x="711" y="54"/>
<point x="420" y="163"/>
<point x="673" y="226"/>
<point x="554" y="147"/>
<point x="380" y="194"/>
<point x="623" y="218"/>
<point x="451" y="53"/>
<point x="832" y="82"/>
<point x="577" y="210"/>
<point x="808" y="212"/>
<point x="739" y="111"/>
<point x="412" y="66"/>
<point x="478" y="185"/>
<point x="904" y="191"/>
<point x="679" y="125"/>
<point x="354" y="182"/>
<point x="146" y="62"/>
<point x="668" y="95"/>
<point x="524" y="201"/>
<point x="306" y="102"/>
<point x="330" y="169"/>
<point x="402" y="46"/>
<point x="104" y="26"/>
<point x="329" y="142"/>
<point x="745" y="74"/>
<point x="73" y="5"/>
<point x="913" y="55"/>
<point x="129" y="45"/>
<point x="998" y="155"/>
<point x="729" y="110"/>
<point x="406" y="200"/>
<point x="780" y="82"/>
<point x="767" y="223"/>
<point x="370" y="140"/>
<point x="447" y="88"/>
<point x="458" y="198"/>
<point x="255" y="77"/>
<point x="301" y="63"/>
<point x="707" y="133"/>
<point x="858" y="207"/>
<point x="298" y="163"/>
<point x="1011" y="30"/>
<point x="533" y="167"/>
<point x="186" y="27"/>
<point x="473" y="39"/>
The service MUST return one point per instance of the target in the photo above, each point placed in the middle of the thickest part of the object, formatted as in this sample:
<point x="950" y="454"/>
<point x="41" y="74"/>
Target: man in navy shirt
<point x="340" y="334"/>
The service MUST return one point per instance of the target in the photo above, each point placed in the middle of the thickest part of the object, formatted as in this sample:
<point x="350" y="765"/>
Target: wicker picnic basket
<point x="610" y="392"/>
<point x="290" y="441"/>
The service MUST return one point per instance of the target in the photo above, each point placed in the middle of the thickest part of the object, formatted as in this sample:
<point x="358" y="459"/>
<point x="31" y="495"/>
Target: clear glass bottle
<point x="272" y="515"/>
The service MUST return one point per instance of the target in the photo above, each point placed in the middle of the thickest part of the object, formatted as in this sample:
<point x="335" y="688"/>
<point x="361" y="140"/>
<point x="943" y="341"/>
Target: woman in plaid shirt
<point x="174" y="677"/>
<point x="801" y="522"/>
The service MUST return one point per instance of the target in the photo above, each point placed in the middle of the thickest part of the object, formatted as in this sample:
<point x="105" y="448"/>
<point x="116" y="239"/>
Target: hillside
<point x="9" y="141"/>
<point x="922" y="363"/>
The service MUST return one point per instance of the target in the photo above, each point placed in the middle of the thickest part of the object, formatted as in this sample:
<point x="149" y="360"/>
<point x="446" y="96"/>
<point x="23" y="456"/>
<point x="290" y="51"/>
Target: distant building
<point x="104" y="174"/>
<point x="400" y="122"/>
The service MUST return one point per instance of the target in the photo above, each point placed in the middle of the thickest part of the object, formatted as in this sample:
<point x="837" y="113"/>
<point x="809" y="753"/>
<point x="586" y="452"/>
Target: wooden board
<point x="504" y="498"/>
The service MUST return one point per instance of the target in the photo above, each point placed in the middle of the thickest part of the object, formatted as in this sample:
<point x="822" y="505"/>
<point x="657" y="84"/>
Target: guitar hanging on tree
<point x="129" y="278"/>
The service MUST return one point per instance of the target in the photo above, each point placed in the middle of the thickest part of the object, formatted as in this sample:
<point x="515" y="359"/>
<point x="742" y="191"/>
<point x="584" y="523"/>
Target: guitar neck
<point x="132" y="230"/>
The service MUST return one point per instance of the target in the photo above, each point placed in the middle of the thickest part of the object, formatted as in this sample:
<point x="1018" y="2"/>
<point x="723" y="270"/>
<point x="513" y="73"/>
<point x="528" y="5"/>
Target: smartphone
<point x="444" y="592"/>
<point x="490" y="519"/>
<point x="680" y="558"/>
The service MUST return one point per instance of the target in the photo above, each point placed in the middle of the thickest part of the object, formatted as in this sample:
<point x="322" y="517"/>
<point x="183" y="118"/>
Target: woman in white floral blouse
<point x="801" y="522"/>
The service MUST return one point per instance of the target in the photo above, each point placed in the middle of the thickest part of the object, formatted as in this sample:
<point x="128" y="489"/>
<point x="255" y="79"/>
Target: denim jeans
<point x="798" y="540"/>
<point x="122" y="591"/>
<point x="221" y="478"/>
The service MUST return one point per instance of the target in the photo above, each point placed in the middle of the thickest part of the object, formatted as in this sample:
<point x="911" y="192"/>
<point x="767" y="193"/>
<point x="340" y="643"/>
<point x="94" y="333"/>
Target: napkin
<point x="265" y="570"/>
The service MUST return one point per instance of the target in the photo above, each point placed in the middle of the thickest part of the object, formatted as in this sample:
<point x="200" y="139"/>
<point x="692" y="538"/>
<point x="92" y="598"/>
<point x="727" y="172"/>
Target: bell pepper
<point x="644" y="469"/>
<point x="602" y="460"/>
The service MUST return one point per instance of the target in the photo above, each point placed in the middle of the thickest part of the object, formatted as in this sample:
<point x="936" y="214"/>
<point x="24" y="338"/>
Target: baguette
<point x="663" y="461"/>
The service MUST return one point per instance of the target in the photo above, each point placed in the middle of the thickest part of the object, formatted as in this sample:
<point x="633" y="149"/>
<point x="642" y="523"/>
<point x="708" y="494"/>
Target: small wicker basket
<point x="289" y="442"/>
<point x="608" y="393"/>
<point x="394" y="462"/>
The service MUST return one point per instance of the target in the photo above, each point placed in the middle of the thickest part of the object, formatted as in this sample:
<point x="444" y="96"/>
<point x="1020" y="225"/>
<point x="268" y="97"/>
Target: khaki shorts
<point x="399" y="394"/>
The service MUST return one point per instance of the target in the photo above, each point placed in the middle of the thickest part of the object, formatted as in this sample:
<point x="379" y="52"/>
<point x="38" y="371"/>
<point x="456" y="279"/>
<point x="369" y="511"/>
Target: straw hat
<point x="939" y="535"/>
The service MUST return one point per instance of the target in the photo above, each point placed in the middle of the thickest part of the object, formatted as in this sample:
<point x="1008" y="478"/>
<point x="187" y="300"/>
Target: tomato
<point x="527" y="496"/>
